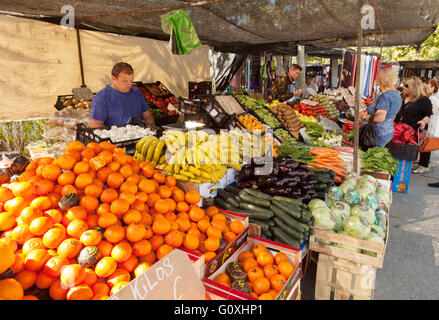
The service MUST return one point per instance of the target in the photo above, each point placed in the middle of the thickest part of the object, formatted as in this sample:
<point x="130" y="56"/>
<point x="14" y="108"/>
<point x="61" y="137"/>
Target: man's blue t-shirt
<point x="114" y="107"/>
<point x="390" y="101"/>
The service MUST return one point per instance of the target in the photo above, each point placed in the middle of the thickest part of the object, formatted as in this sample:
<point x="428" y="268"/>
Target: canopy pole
<point x="301" y="61"/>
<point x="357" y="91"/>
<point x="81" y="65"/>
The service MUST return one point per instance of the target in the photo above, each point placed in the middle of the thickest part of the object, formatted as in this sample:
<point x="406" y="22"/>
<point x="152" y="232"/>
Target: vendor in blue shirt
<point x="119" y="101"/>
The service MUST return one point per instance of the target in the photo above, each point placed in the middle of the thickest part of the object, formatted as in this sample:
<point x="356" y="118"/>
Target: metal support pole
<point x="301" y="61"/>
<point x="357" y="91"/>
<point x="81" y="65"/>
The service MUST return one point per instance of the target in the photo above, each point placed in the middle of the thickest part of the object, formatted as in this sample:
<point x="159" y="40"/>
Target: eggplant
<point x="244" y="184"/>
<point x="266" y="181"/>
<point x="292" y="165"/>
<point x="281" y="182"/>
<point x="291" y="184"/>
<point x="313" y="182"/>
<point x="246" y="173"/>
<point x="303" y="166"/>
<point x="301" y="174"/>
<point x="307" y="187"/>
<point x="282" y="162"/>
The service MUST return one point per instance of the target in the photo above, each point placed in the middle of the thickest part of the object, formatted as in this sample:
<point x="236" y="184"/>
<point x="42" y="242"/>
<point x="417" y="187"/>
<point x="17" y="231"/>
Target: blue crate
<point x="401" y="178"/>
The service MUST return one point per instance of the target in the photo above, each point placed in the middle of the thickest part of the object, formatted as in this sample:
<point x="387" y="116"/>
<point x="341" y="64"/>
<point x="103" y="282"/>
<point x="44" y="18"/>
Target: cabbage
<point x="352" y="197"/>
<point x="383" y="199"/>
<point x="357" y="227"/>
<point x="335" y="194"/>
<point x="354" y="176"/>
<point x="378" y="231"/>
<point x="345" y="246"/>
<point x="372" y="201"/>
<point x="368" y="179"/>
<point x="323" y="219"/>
<point x="380" y="220"/>
<point x="365" y="211"/>
<point x="347" y="185"/>
<point x="363" y="192"/>
<point x="316" y="203"/>
<point x="374" y="237"/>
<point x="340" y="211"/>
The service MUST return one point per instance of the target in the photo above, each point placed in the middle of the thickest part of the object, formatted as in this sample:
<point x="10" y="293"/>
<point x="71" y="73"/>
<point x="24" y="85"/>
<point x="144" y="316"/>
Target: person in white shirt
<point x="311" y="84"/>
<point x="435" y="86"/>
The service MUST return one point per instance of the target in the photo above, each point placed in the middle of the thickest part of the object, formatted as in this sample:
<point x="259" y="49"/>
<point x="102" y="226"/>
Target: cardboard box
<point x="401" y="178"/>
<point x="224" y="255"/>
<point x="218" y="291"/>
<point x="197" y="260"/>
<point x="206" y="190"/>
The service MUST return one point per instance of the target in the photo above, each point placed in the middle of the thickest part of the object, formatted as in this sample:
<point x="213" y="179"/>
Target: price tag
<point x="171" y="278"/>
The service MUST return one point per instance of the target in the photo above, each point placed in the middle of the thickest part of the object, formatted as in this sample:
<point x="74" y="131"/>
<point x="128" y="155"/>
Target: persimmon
<point x="54" y="266"/>
<point x="53" y="238"/>
<point x="57" y="291"/>
<point x="93" y="190"/>
<point x="286" y="269"/>
<point x="163" y="250"/>
<point x="192" y="197"/>
<point x="21" y="234"/>
<point x="66" y="178"/>
<point x="147" y="186"/>
<point x="80" y="292"/>
<point x="211" y="211"/>
<point x="109" y="195"/>
<point x="143" y="247"/>
<point x="258" y="248"/>
<point x="277" y="282"/>
<point x="255" y="273"/>
<point x="44" y="281"/>
<point x="118" y="276"/>
<point x="90" y="237"/>
<point x="129" y="264"/>
<point x="264" y="258"/>
<point x="105" y="267"/>
<point x="36" y="259"/>
<point x="26" y="278"/>
<point x="279" y="257"/>
<point x="156" y="241"/>
<point x="119" y="207"/>
<point x="115" y="180"/>
<point x="114" y="234"/>
<point x="212" y="243"/>
<point x="81" y="167"/>
<point x="270" y="270"/>
<point x="83" y="180"/>
<point x="121" y="251"/>
<point x="161" y="226"/>
<point x="89" y="203"/>
<point x="105" y="248"/>
<point x="53" y="214"/>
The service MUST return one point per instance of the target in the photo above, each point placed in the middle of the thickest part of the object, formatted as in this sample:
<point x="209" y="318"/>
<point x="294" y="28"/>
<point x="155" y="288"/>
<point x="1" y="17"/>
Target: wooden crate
<point x="378" y="248"/>
<point x="340" y="279"/>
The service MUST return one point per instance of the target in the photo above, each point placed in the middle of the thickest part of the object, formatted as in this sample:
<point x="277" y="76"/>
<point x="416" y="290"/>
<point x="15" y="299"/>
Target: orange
<point x="117" y="287"/>
<point x="211" y="211"/>
<point x="92" y="220"/>
<point x="172" y="204"/>
<point x="170" y="181"/>
<point x="26" y="176"/>
<point x="66" y="162"/>
<point x="11" y="289"/>
<point x="156" y="241"/>
<point x="159" y="178"/>
<point x="192" y="197"/>
<point x="53" y="237"/>
<point x="141" y="268"/>
<point x="115" y="180"/>
<point x="212" y="243"/>
<point x="126" y="171"/>
<point x="8" y="219"/>
<point x="132" y="216"/>
<point x="7" y="257"/>
<point x="261" y="285"/>
<point x="44" y="281"/>
<point x="255" y="273"/>
<point x="147" y="170"/>
<point x="161" y="206"/>
<point x="223" y="279"/>
<point x="229" y="236"/>
<point x="266" y="296"/>
<point x="163" y="250"/>
<point x="209" y="255"/>
<point x="236" y="227"/>
<point x="142" y="196"/>
<point x="214" y="232"/>
<point x="66" y="178"/>
<point x="135" y="232"/>
<point x="51" y="172"/>
<point x="36" y="259"/>
<point x="87" y="153"/>
<point x="105" y="248"/>
<point x="249" y="263"/>
<point x="93" y="190"/>
<point x="103" y="208"/>
<point x="192" y="242"/>
<point x="259" y="247"/>
<point x="182" y="207"/>
<point x="152" y="199"/>
<point x="53" y="214"/>
<point x="264" y="258"/>
<point x="100" y="288"/>
<point x="103" y="173"/>
<point x="90" y="277"/>
<point x="109" y="195"/>
<point x="279" y="257"/>
<point x="81" y="292"/>
<point x="18" y="264"/>
<point x="119" y="207"/>
<point x="91" y="237"/>
<point x="72" y="275"/>
<point x="76" y="228"/>
<point x="69" y="248"/>
<point x="219" y="224"/>
<point x="114" y="166"/>
<point x="75" y="146"/>
<point x="146" y="219"/>
<point x="81" y="167"/>
<point x="68" y="189"/>
<point x="130" y="263"/>
<point x="40" y="225"/>
<point x="164" y="192"/>
<point x="31" y="244"/>
<point x="161" y="226"/>
<point x="5" y="194"/>
<point x="11" y="243"/>
<point x="21" y="234"/>
<point x="286" y="269"/>
<point x="26" y="278"/>
<point x="83" y="180"/>
<point x="106" y="220"/>
<point x="118" y="276"/>
<point x="22" y="189"/>
<point x="105" y="267"/>
<point x="178" y="195"/>
<point x="143" y="247"/>
<point x="219" y="216"/>
<point x="194" y="231"/>
<point x="138" y="205"/>
<point x="270" y="270"/>
<point x="196" y="214"/>
<point x="277" y="282"/>
<point x="57" y="291"/>
<point x="15" y="205"/>
<point x="128" y="186"/>
<point x="54" y="266"/>
<point x="76" y="212"/>
<point x="203" y="225"/>
<point x="114" y="234"/>
<point x="147" y="186"/>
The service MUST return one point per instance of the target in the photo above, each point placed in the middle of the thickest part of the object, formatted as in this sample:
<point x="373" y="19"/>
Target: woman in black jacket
<point x="416" y="112"/>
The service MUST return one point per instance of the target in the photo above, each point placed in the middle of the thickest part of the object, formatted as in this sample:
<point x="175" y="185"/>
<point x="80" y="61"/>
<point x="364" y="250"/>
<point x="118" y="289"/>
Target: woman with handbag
<point x="416" y="112"/>
<point x="385" y="107"/>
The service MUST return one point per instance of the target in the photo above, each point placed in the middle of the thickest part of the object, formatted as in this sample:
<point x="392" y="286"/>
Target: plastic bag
<point x="335" y="194"/>
<point x="357" y="227"/>
<point x="368" y="136"/>
<point x="340" y="211"/>
<point x="363" y="209"/>
<point x="352" y="197"/>
<point x="323" y="218"/>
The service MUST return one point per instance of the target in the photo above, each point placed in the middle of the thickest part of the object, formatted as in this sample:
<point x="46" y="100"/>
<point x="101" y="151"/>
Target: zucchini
<point x="257" y="194"/>
<point x="281" y="237"/>
<point x="233" y="190"/>
<point x="257" y="215"/>
<point x="268" y="233"/>
<point x="319" y="170"/>
<point x="250" y="199"/>
<point x="264" y="226"/>
<point x="289" y="231"/>
<point x="271" y="223"/>
<point x="311" y="231"/>
<point x="292" y="211"/>
<point x="319" y="187"/>
<point x="332" y="174"/>
<point x="248" y="206"/>
<point x="287" y="220"/>
<point x="289" y="200"/>
<point x="228" y="196"/>
<point x="222" y="204"/>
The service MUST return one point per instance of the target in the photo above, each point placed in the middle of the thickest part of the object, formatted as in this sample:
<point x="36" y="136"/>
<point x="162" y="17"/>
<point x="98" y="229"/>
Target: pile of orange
<point x="267" y="274"/>
<point x="130" y="212"/>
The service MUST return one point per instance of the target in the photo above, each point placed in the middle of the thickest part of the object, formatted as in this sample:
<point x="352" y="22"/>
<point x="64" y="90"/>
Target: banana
<point x="162" y="159"/>
<point x="140" y="143"/>
<point x="185" y="166"/>
<point x="195" y="171"/>
<point x="145" y="148"/>
<point x="158" y="151"/>
<point x="150" y="152"/>
<point x="180" y="177"/>
<point x="176" y="168"/>
<point x="187" y="174"/>
<point x="196" y="181"/>
<point x="204" y="180"/>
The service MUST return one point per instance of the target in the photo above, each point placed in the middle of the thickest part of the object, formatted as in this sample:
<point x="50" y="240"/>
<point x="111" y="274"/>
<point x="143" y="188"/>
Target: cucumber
<point x="289" y="200"/>
<point x="332" y="174"/>
<point x="282" y="237"/>
<point x="268" y="233"/>
<point x="264" y="226"/>
<point x="248" y="206"/>
<point x="287" y="220"/>
<point x="257" y="215"/>
<point x="257" y="194"/>
<point x="222" y="204"/>
<point x="250" y="199"/>
<point x="229" y="197"/>
<point x="319" y="170"/>
<point x="311" y="231"/>
<point x="233" y="190"/>
<point x="289" y="231"/>
<point x="292" y="211"/>
<point x="320" y="187"/>
<point x="292" y="243"/>
<point x="271" y="223"/>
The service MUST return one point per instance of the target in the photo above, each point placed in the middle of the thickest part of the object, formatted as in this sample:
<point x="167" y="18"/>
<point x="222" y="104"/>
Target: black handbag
<point x="368" y="136"/>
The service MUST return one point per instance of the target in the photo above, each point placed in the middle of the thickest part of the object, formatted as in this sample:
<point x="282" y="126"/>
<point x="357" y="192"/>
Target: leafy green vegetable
<point x="283" y="134"/>
<point x="379" y="160"/>
<point x="298" y="151"/>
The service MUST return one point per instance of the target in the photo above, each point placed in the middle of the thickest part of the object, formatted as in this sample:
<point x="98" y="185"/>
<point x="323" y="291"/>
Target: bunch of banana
<point x="149" y="149"/>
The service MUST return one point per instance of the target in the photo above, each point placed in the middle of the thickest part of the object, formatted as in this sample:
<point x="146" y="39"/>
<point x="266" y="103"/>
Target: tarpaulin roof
<point x="250" y="26"/>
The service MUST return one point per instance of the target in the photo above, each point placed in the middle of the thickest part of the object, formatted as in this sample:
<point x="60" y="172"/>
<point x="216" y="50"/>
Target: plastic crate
<point x="403" y="151"/>
<point x="198" y="90"/>
<point x="152" y="87"/>
<point x="86" y="135"/>
<point x="217" y="113"/>
<point x="59" y="104"/>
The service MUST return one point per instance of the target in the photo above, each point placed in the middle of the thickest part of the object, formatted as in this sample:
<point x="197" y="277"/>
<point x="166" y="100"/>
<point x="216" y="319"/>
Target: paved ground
<point x="411" y="264"/>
